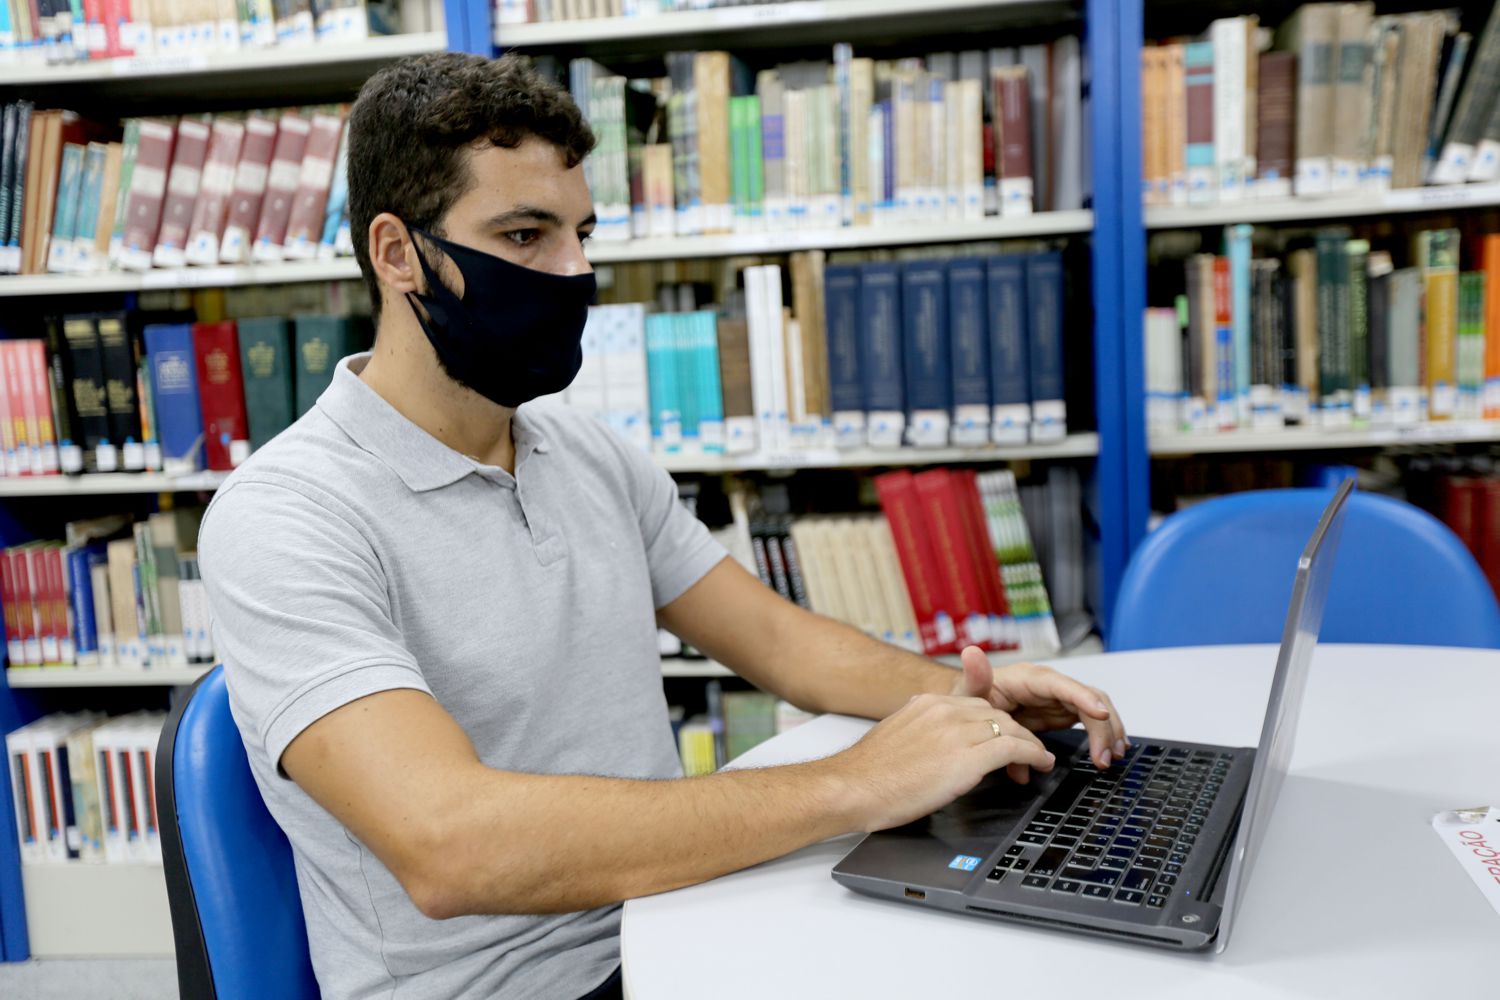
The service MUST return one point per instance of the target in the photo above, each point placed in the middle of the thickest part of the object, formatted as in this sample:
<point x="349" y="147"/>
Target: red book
<point x="56" y="597"/>
<point x="209" y="211"/>
<point x="281" y="186"/>
<point x="221" y="394"/>
<point x="183" y="183"/>
<point x="148" y="189"/>
<point x="305" y="223"/>
<point x="928" y="588"/>
<point x="18" y="390"/>
<point x="1489" y="545"/>
<point x="986" y="562"/>
<point x="64" y="610"/>
<point x="1460" y="499"/>
<point x="955" y="558"/>
<point x="14" y="649"/>
<point x="41" y="393"/>
<point x="1013" y="139"/>
<point x="26" y="609"/>
<point x="249" y="189"/>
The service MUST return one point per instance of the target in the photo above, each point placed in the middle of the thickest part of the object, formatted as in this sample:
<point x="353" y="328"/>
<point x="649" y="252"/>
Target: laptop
<point x="1155" y="850"/>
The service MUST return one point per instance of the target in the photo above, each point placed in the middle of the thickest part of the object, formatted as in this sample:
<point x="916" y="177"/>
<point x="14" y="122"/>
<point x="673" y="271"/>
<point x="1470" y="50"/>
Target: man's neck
<point x="404" y="372"/>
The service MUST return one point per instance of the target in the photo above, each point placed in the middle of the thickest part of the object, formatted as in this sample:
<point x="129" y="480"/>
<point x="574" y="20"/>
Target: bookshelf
<point x="1399" y="202"/>
<point x="96" y="677"/>
<point x="1117" y="449"/>
<point x="1321" y="439"/>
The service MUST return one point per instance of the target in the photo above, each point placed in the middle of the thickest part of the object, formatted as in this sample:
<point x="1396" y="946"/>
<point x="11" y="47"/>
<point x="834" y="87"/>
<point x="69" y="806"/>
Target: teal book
<point x="685" y="362"/>
<point x="661" y="374"/>
<point x="1237" y="247"/>
<point x="338" y="202"/>
<point x="319" y="342"/>
<point x="710" y="394"/>
<point x="91" y="190"/>
<point x="65" y="218"/>
<point x="265" y="360"/>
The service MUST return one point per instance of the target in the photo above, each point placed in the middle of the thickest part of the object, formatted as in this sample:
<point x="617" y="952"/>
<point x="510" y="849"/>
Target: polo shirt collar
<point x="421" y="460"/>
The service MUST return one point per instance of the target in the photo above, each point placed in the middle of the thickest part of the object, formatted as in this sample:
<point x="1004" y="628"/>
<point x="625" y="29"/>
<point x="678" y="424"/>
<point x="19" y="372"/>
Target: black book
<point x="7" y="168"/>
<point x="81" y="335"/>
<point x="120" y="369"/>
<point x="64" y="412"/>
<point x="22" y="139"/>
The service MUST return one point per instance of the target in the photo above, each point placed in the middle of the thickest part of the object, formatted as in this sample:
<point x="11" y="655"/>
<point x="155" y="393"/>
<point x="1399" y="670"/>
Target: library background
<point x="931" y="309"/>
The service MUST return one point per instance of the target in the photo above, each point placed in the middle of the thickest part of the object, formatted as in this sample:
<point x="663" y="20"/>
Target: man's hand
<point x="928" y="753"/>
<point x="1041" y="699"/>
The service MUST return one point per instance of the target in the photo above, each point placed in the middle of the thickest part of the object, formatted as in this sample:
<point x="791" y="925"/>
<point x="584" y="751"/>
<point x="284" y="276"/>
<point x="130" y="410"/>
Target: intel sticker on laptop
<point x="964" y="862"/>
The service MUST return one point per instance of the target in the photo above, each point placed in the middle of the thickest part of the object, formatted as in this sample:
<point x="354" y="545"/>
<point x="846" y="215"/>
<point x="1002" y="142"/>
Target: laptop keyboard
<point x="1123" y="834"/>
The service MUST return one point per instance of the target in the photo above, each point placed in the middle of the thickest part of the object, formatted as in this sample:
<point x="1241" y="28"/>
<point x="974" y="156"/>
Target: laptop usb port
<point x="915" y="894"/>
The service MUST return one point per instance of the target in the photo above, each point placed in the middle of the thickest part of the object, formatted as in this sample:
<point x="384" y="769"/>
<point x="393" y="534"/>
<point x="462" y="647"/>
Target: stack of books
<point x="113" y="595"/>
<point x="713" y="148"/>
<point x="1329" y="333"/>
<point x="67" y="31"/>
<point x="85" y="788"/>
<point x="81" y="197"/>
<point x="527" y="11"/>
<point x="1336" y="101"/>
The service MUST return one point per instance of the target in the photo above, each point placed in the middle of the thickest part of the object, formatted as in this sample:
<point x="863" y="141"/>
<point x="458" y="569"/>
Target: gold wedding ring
<point x="995" y="726"/>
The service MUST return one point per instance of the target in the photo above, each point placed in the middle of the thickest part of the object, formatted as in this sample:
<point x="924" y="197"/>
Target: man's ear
<point x="392" y="255"/>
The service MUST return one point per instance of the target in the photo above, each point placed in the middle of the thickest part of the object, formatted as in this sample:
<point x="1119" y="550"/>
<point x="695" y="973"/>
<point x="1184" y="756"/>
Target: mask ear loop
<point x="426" y="300"/>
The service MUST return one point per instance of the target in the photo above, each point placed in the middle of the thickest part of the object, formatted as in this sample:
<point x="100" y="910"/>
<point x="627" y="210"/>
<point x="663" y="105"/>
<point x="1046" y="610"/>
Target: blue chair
<point x="1221" y="572"/>
<point x="231" y="885"/>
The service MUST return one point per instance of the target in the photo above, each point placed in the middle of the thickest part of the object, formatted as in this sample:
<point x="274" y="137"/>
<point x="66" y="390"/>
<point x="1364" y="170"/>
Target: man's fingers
<point x="979" y="676"/>
<point x="1007" y="751"/>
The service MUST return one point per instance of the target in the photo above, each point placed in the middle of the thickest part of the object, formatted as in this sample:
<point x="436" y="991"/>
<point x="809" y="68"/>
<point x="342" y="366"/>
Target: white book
<point x="758" y="325"/>
<point x="1228" y="38"/>
<point x="780" y="402"/>
<point x="20" y="765"/>
<point x="587" y="391"/>
<point x="627" y="383"/>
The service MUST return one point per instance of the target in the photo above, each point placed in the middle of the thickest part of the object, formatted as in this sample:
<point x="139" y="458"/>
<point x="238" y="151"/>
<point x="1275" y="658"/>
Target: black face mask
<point x="517" y="332"/>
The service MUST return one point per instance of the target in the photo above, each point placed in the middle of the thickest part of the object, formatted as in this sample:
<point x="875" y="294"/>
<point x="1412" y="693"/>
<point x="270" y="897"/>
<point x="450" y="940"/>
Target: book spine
<point x="1437" y="255"/>
<point x="1009" y="367"/>
<point x="898" y="500"/>
<point x="65" y="218"/>
<point x="1406" y="346"/>
<point x="1046" y="312"/>
<point x="81" y="599"/>
<point x="1014" y="146"/>
<point x="927" y="353"/>
<point x="1351" y="96"/>
<point x="10" y="596"/>
<point x="1469" y="349"/>
<point x="250" y="177"/>
<point x="130" y="153"/>
<point x="842" y="326"/>
<point x="171" y="357"/>
<point x="1472" y="113"/>
<point x="1199" y="82"/>
<point x="1237" y="242"/>
<point x="1315" y="109"/>
<point x="881" y="360"/>
<point x="281" y="187"/>
<point x="1491" y="263"/>
<point x="120" y="395"/>
<point x="207" y="225"/>
<point x="147" y="191"/>
<point x="969" y="342"/>
<point x="942" y="513"/>
<point x="1357" y="253"/>
<point x="305" y="220"/>
<point x="44" y="454"/>
<point x="1227" y="39"/>
<point x="183" y="183"/>
<point x="1276" y="125"/>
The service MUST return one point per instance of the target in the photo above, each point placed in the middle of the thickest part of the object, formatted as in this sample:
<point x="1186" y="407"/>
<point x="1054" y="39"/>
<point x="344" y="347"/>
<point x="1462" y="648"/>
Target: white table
<point x="1353" y="895"/>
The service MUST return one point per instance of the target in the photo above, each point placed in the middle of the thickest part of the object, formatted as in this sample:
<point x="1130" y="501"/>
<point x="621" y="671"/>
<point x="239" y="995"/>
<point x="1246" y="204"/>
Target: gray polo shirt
<point x="356" y="554"/>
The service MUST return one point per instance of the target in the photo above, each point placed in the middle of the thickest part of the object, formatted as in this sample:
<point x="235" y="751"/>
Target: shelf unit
<point x="1398" y="202"/>
<point x="1118" y="448"/>
<point x="100" y="677"/>
<point x="1315" y="438"/>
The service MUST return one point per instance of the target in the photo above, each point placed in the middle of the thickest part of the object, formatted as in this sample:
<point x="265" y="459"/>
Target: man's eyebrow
<point x="532" y="213"/>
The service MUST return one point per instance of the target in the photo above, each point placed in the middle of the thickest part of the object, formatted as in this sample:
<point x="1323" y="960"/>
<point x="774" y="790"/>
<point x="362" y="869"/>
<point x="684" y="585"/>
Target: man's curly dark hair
<point x="413" y="120"/>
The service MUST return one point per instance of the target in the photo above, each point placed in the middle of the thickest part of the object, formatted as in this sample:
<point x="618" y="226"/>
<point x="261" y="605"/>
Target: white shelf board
<point x="729" y="20"/>
<point x="680" y="667"/>
<point x="242" y="62"/>
<point x="108" y="484"/>
<point x="1072" y="446"/>
<point x="101" y="677"/>
<point x="74" y="910"/>
<point x="1300" y="439"/>
<point x="1422" y="199"/>
<point x="848" y="237"/>
<point x="183" y="277"/>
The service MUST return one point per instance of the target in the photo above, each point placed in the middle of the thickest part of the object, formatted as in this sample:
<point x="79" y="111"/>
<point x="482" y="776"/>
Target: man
<point x="437" y="601"/>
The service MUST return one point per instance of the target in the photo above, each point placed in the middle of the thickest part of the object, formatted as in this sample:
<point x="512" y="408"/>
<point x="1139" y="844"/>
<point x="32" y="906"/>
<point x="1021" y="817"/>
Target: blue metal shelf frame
<point x="1113" y="31"/>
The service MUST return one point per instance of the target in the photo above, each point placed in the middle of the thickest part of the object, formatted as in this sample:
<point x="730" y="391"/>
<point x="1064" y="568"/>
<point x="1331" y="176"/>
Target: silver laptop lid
<point x="1279" y="733"/>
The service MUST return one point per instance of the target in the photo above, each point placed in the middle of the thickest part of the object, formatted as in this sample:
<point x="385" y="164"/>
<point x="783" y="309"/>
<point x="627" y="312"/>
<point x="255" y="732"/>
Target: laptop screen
<point x="1278" y="734"/>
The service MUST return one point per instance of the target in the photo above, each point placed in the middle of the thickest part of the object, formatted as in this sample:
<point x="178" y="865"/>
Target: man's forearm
<point x="520" y="843"/>
<point x="840" y="669"/>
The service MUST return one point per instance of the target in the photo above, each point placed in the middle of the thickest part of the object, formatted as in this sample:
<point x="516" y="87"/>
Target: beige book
<point x="1252" y="90"/>
<point x="1421" y="50"/>
<point x="971" y="142"/>
<point x="1302" y="265"/>
<point x="906" y="130"/>
<point x="1351" y="93"/>
<point x="862" y="615"/>
<point x="109" y="194"/>
<point x="807" y="306"/>
<point x="897" y="597"/>
<point x="711" y="81"/>
<point x="842" y="606"/>
<point x="862" y="539"/>
<point x="1153" y="159"/>
<point x="805" y="540"/>
<point x="1312" y="32"/>
<point x="1174" y="109"/>
<point x="861" y="97"/>
<point x="1384" y="65"/>
<point x="129" y="641"/>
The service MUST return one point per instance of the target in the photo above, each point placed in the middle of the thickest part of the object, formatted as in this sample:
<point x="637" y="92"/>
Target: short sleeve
<point x="301" y="612"/>
<point x="679" y="549"/>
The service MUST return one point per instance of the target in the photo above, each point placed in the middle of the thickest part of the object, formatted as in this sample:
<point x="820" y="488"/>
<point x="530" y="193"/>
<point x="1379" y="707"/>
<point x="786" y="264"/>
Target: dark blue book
<point x="880" y="359"/>
<point x="174" y="381"/>
<point x="924" y="338"/>
<point x="969" y="344"/>
<point x="1010" y="371"/>
<point x="81" y="599"/>
<point x="1044" y="327"/>
<point x="841" y="327"/>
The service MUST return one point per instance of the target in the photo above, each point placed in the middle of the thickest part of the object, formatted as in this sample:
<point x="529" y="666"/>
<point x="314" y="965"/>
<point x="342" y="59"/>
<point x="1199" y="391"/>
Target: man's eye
<point x="523" y="237"/>
<point x="585" y="237"/>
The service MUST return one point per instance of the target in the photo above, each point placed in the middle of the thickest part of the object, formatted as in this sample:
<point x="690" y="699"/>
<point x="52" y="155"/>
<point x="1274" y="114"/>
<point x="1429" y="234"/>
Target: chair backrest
<point x="1221" y="572"/>
<point x="231" y="883"/>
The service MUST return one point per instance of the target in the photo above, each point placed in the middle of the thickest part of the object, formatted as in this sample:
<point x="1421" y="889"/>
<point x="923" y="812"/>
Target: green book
<point x="1469" y="349"/>
<point x="270" y="402"/>
<point x="319" y="342"/>
<point x="749" y="720"/>
<point x="1333" y="325"/>
<point x="754" y="167"/>
<point x="1358" y="254"/>
<point x="132" y="147"/>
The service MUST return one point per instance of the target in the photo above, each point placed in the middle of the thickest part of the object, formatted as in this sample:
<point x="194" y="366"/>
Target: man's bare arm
<point x="464" y="838"/>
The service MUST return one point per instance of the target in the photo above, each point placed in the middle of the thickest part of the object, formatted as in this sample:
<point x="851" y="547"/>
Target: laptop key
<point x="1159" y="842"/>
<point x="1177" y="859"/>
<point x="1129" y="896"/>
<point x="1089" y="850"/>
<point x="1014" y="850"/>
<point x="1173" y="869"/>
<point x="1118" y="864"/>
<point x="1032" y="838"/>
<point x="1122" y="852"/>
<point x="1020" y="865"/>
<point x="995" y="876"/>
<point x="1049" y="817"/>
<point x="1166" y="881"/>
<point x="1097" y="891"/>
<point x="1156" y="902"/>
<point x="1099" y="876"/>
<point x="1136" y="878"/>
<point x="1152" y="863"/>
<point x="1066" y="885"/>
<point x="1038" y="828"/>
<point x="1051" y="859"/>
<point x="1061" y="841"/>
<point x="1153" y="852"/>
<point x="1034" y="882"/>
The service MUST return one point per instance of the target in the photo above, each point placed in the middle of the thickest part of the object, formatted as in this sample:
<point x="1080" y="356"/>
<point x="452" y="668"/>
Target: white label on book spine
<point x="1406" y="405"/>
<point x="70" y="459"/>
<point x="849" y="429"/>
<point x="239" y="450"/>
<point x="1343" y="175"/>
<point x="133" y="454"/>
<point x="153" y="456"/>
<point x="1272" y="186"/>
<point x="1313" y="175"/>
<point x="971" y="424"/>
<point x="1049" y="420"/>
<point x="1362" y="403"/>
<point x="928" y="428"/>
<point x="739" y="435"/>
<point x="1444" y="400"/>
<point x="885" y="428"/>
<point x="1015" y="196"/>
<point x="1453" y="165"/>
<point x="1011" y="423"/>
<point x="1486" y="161"/>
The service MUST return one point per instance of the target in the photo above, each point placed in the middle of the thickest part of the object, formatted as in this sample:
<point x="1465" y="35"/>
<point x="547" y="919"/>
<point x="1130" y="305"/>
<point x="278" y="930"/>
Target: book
<point x="967" y="311"/>
<point x="1014" y="140"/>
<point x="119" y="369"/>
<point x="305" y="222"/>
<point x="206" y="228"/>
<point x="1276" y="125"/>
<point x="319" y="342"/>
<point x="927" y="360"/>
<point x="251" y="174"/>
<point x="174" y="379"/>
<point x="266" y="364"/>
<point x="88" y="388"/>
<point x="1009" y="367"/>
<point x="1312" y="33"/>
<point x="882" y="358"/>
<point x="221" y="394"/>
<point x="1436" y="253"/>
<point x="1465" y="131"/>
<point x="1199" y="84"/>
<point x="1351" y="96"/>
<point x="146" y="193"/>
<point x="183" y="182"/>
<point x="1046" y="311"/>
<point x="841" y="328"/>
<point x="927" y="587"/>
<point x="282" y="181"/>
